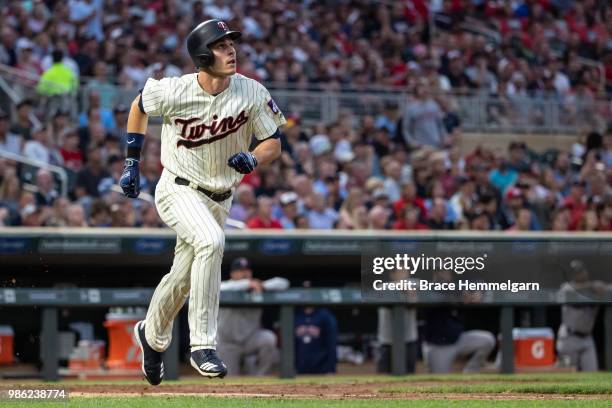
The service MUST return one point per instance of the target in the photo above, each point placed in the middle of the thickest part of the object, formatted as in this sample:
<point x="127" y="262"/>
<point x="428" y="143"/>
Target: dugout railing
<point x="47" y="256"/>
<point x="51" y="300"/>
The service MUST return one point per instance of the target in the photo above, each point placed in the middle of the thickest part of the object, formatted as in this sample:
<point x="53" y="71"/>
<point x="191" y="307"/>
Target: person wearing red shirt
<point x="576" y="203"/>
<point x="410" y="219"/>
<point x="264" y="219"/>
<point x="72" y="155"/>
<point x="409" y="196"/>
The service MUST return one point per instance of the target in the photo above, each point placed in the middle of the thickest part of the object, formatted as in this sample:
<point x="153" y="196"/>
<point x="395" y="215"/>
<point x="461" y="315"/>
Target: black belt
<point x="218" y="197"/>
<point x="577" y="334"/>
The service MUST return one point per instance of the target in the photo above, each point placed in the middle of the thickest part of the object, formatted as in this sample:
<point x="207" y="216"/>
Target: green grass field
<point x="533" y="390"/>
<point x="155" y="402"/>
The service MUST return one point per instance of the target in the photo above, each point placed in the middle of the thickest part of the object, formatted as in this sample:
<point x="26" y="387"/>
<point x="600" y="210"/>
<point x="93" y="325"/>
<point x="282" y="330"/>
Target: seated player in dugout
<point x="446" y="339"/>
<point x="316" y="340"/>
<point x="244" y="345"/>
<point x="209" y="118"/>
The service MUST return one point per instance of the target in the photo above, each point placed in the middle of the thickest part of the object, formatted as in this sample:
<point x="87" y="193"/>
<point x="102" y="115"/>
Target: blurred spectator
<point x="75" y="216"/>
<point x="149" y="170"/>
<point x="8" y="49"/>
<point x="38" y="148"/>
<point x="320" y="216"/>
<point x="9" y="141"/>
<point x="437" y="219"/>
<point x="120" y="116"/>
<point x="479" y="221"/>
<point x="87" y="14"/>
<point x="22" y="125"/>
<point x="301" y="222"/>
<point x="244" y="203"/>
<point x="378" y="218"/>
<point x="107" y="91"/>
<point x="100" y="214"/>
<point x="10" y="193"/>
<point x="35" y="216"/>
<point x="410" y="219"/>
<point x="409" y="197"/>
<point x="150" y="217"/>
<point x="71" y="154"/>
<point x="518" y="157"/>
<point x="316" y="333"/>
<point x="503" y="177"/>
<point x="122" y="214"/>
<point x="46" y="192"/>
<point x="335" y="192"/>
<point x="58" y="79"/>
<point x="523" y="220"/>
<point x="288" y="203"/>
<point x="576" y="202"/>
<point x="89" y="177"/>
<point x="393" y="173"/>
<point x="263" y="217"/>
<point x="242" y="340"/>
<point x="464" y="199"/>
<point x="515" y="207"/>
<point x="348" y="216"/>
<point x="422" y="122"/>
<point x="115" y="168"/>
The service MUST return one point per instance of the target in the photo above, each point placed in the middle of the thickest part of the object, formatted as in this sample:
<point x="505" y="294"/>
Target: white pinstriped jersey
<point x="201" y="131"/>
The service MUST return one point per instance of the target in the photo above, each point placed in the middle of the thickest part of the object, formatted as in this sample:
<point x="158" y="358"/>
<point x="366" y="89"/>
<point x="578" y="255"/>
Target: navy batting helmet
<point x="200" y="38"/>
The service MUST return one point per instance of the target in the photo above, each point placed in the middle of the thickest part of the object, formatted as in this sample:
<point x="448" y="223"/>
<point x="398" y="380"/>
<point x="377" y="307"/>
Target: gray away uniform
<point x="241" y="338"/>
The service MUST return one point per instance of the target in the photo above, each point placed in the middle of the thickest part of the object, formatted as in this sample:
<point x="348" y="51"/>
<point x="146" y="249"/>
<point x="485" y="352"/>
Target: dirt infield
<point x="356" y="390"/>
<point x="534" y="387"/>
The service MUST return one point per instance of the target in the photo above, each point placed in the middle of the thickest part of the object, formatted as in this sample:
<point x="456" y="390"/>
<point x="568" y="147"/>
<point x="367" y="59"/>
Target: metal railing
<point x="14" y="90"/>
<point x="19" y="85"/>
<point x="60" y="171"/>
<point x="478" y="112"/>
<point x="49" y="300"/>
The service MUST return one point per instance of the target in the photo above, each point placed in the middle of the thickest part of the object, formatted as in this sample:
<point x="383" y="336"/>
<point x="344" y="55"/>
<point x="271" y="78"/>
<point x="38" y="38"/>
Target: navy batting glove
<point x="130" y="179"/>
<point x="243" y="162"/>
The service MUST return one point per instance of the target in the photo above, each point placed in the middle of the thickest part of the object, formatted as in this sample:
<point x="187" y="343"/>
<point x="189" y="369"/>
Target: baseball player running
<point x="209" y="118"/>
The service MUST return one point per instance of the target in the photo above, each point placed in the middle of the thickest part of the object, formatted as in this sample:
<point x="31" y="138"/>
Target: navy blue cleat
<point x="152" y="365"/>
<point x="208" y="364"/>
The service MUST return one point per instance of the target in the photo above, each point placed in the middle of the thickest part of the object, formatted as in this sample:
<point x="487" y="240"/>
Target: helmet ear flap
<point x="204" y="61"/>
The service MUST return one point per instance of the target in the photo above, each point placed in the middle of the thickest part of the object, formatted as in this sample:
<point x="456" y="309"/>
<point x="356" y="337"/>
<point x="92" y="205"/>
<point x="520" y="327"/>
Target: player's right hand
<point x="130" y="179"/>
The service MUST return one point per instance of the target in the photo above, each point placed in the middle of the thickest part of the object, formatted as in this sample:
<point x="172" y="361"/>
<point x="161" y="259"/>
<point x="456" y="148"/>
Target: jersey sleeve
<point x="267" y="116"/>
<point x="154" y="97"/>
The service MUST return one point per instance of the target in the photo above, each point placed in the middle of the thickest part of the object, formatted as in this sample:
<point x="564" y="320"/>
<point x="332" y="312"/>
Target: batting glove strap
<point x="130" y="179"/>
<point x="134" y="143"/>
<point x="243" y="162"/>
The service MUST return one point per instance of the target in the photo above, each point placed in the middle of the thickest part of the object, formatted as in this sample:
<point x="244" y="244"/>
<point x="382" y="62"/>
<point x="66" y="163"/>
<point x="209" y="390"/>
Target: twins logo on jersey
<point x="192" y="133"/>
<point x="273" y="106"/>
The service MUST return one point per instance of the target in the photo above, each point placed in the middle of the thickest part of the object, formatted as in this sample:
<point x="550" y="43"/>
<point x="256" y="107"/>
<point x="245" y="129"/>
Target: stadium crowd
<point x="329" y="176"/>
<point x="388" y="170"/>
<point x="505" y="47"/>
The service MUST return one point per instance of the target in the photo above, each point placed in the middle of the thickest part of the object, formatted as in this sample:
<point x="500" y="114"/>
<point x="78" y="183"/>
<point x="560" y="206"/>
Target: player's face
<point x="225" y="57"/>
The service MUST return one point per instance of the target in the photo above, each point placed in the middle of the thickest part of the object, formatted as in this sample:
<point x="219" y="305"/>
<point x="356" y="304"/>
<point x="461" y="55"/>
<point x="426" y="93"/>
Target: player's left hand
<point x="243" y="162"/>
<point x="130" y="179"/>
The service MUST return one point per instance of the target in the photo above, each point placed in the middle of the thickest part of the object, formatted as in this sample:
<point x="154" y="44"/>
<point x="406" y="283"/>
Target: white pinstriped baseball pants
<point x="196" y="270"/>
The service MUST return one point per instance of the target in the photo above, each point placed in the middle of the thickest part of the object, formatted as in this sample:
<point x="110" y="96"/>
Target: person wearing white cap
<point x="288" y="201"/>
